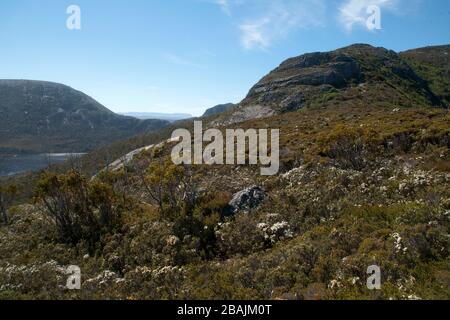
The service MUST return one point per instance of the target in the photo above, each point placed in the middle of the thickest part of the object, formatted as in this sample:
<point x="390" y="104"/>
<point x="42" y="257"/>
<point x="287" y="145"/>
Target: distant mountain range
<point x="155" y="115"/>
<point x="41" y="117"/>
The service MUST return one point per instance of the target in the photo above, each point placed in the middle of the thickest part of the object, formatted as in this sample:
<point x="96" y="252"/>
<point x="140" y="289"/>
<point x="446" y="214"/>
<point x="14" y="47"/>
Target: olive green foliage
<point x="7" y="195"/>
<point x="344" y="144"/>
<point x="432" y="64"/>
<point x="359" y="186"/>
<point x="80" y="209"/>
<point x="193" y="214"/>
<point x="364" y="180"/>
<point x="165" y="184"/>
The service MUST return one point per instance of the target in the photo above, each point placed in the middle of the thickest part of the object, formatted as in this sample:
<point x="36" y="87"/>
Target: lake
<point x="11" y="165"/>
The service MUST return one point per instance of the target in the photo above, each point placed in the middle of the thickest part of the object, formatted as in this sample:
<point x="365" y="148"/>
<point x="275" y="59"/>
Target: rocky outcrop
<point x="289" y="86"/>
<point x="247" y="199"/>
<point x="311" y="70"/>
<point x="245" y="113"/>
<point x="126" y="159"/>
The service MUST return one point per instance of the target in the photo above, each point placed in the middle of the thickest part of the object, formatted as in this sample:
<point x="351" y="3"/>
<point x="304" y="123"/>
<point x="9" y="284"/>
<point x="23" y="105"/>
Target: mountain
<point x="38" y="116"/>
<point x="359" y="75"/>
<point x="363" y="182"/>
<point x="221" y="108"/>
<point x="161" y="116"/>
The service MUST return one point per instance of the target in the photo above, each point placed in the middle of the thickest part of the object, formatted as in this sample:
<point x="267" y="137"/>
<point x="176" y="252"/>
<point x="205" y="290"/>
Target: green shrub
<point x="80" y="209"/>
<point x="346" y="145"/>
<point x="7" y="195"/>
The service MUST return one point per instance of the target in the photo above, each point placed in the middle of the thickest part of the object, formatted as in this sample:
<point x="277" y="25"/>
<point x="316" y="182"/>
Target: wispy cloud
<point x="263" y="22"/>
<point x="224" y="4"/>
<point x="354" y="12"/>
<point x="254" y="34"/>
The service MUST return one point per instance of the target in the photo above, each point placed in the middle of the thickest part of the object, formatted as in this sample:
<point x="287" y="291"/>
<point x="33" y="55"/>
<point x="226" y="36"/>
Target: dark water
<point x="10" y="165"/>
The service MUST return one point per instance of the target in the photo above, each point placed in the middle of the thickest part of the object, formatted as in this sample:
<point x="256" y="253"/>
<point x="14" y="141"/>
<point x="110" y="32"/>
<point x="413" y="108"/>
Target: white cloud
<point x="263" y="22"/>
<point x="354" y="12"/>
<point x="253" y="34"/>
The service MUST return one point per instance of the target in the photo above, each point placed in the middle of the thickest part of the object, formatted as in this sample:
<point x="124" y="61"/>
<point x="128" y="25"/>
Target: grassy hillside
<point x="364" y="180"/>
<point x="324" y="220"/>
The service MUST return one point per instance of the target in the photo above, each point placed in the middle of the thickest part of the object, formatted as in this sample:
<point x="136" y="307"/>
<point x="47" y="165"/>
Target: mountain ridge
<point x="42" y="116"/>
<point x="157" y="115"/>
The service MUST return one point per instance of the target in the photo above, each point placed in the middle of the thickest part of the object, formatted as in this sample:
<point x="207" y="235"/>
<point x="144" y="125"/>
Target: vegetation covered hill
<point x="357" y="75"/>
<point x="40" y="117"/>
<point x="364" y="180"/>
<point x="433" y="65"/>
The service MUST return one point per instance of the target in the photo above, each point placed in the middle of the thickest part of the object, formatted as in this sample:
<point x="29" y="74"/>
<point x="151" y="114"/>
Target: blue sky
<point x="187" y="55"/>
